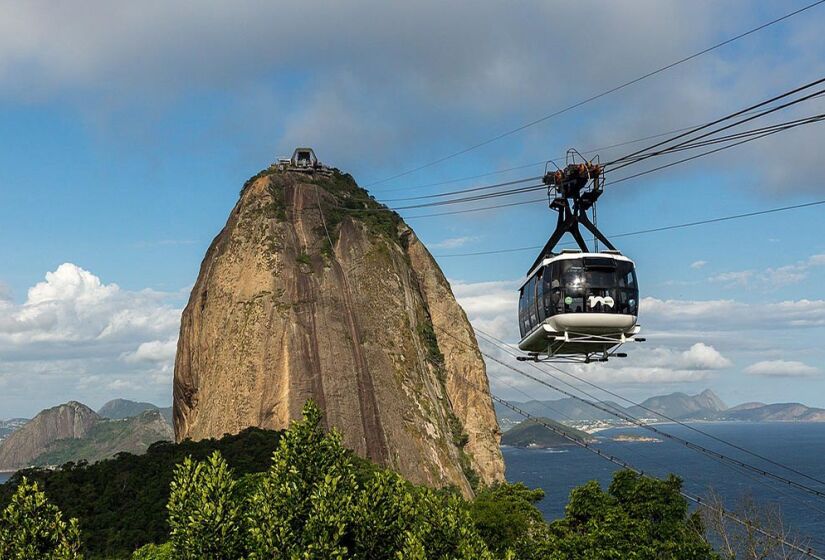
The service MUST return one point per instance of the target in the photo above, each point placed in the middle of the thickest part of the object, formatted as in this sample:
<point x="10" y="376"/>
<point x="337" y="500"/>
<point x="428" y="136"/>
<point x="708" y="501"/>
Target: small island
<point x="534" y="434"/>
<point x="632" y="438"/>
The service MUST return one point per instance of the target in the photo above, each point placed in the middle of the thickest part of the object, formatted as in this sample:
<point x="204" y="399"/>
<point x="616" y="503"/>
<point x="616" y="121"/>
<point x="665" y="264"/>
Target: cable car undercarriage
<point x="577" y="305"/>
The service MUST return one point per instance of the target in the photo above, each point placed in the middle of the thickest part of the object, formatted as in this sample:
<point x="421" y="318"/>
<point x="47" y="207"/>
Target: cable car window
<point x="552" y="290"/>
<point x="531" y="303"/>
<point x="522" y="312"/>
<point x="541" y="310"/>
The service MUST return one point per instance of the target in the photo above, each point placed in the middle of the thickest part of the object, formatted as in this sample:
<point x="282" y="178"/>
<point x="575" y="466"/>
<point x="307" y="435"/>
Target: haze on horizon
<point x="127" y="131"/>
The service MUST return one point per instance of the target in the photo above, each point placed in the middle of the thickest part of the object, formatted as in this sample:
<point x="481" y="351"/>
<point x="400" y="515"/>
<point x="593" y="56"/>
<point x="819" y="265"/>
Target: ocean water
<point x="4" y="477"/>
<point x="800" y="446"/>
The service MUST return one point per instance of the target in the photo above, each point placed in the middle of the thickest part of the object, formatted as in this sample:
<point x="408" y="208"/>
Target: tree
<point x="31" y="527"/>
<point x="743" y="541"/>
<point x="638" y="517"/>
<point x="205" y="511"/>
<point x="507" y="519"/>
<point x="303" y="506"/>
<point x="155" y="552"/>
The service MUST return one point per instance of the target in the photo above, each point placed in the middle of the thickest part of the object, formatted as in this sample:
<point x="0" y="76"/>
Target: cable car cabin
<point x="579" y="304"/>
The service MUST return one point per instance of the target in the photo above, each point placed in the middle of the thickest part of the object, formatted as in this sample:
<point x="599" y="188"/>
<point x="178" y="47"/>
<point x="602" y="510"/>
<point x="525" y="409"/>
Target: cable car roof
<point x="568" y="254"/>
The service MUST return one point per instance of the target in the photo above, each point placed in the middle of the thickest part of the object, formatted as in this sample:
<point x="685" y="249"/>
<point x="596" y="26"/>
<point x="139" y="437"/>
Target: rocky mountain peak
<point x="71" y="420"/>
<point x="314" y="290"/>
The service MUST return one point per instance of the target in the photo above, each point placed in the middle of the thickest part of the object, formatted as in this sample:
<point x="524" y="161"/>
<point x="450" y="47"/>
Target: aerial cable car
<point x="577" y="305"/>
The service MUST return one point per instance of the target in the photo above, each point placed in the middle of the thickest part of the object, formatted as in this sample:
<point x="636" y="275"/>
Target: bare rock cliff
<point x="72" y="420"/>
<point x="313" y="290"/>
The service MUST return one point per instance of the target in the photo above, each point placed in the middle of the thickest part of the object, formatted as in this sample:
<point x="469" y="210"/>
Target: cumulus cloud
<point x="154" y="351"/>
<point x="696" y="265"/>
<point x="77" y="337"/>
<point x="781" y="368"/>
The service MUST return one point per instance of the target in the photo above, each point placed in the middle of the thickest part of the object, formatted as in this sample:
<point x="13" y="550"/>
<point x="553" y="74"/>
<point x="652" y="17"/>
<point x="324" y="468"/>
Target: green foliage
<point x="121" y="503"/>
<point x="315" y="502"/>
<point x="534" y="432"/>
<point x="303" y="258"/>
<point x="428" y="337"/>
<point x="31" y="527"/>
<point x="155" y="552"/>
<point x="638" y="517"/>
<point x="205" y="511"/>
<point x="301" y="507"/>
<point x="507" y="519"/>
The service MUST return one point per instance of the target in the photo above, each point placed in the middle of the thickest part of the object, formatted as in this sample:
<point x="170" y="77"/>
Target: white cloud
<point x="772" y="278"/>
<point x="453" y="242"/>
<point x="77" y="337"/>
<point x="698" y="264"/>
<point x="714" y="315"/>
<point x="386" y="84"/>
<point x="781" y="368"/>
<point x="154" y="351"/>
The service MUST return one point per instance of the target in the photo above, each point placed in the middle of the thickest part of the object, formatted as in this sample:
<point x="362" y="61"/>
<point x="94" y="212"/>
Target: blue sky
<point x="126" y="133"/>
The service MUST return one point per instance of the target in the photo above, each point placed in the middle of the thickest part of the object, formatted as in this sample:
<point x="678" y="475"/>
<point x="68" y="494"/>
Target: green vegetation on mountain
<point x="108" y="438"/>
<point x="120" y="503"/>
<point x="315" y="499"/>
<point x="533" y="433"/>
<point x="117" y="409"/>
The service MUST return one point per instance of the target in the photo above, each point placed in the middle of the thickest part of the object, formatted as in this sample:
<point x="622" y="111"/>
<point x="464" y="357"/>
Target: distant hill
<point x="117" y="409"/>
<point x="705" y="405"/>
<point x="531" y="433"/>
<point x="779" y="412"/>
<point x="566" y="409"/>
<point x="107" y="438"/>
<point x="65" y="421"/>
<point x="74" y="432"/>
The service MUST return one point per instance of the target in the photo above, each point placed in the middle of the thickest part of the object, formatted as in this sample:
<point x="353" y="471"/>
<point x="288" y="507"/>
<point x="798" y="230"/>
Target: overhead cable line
<point x="777" y="127"/>
<point x="692" y="145"/>
<point x="742" y="137"/>
<point x="709" y="152"/>
<point x="537" y="163"/>
<point x="473" y="189"/>
<point x="807" y="551"/>
<point x="599" y="95"/>
<point x="635" y="421"/>
<point x="662" y="415"/>
<point x="462" y="200"/>
<point x="651" y="230"/>
<point x="732" y="116"/>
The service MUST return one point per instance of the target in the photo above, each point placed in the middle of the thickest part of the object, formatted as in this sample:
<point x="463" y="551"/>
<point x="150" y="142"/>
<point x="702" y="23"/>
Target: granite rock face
<point x="314" y="291"/>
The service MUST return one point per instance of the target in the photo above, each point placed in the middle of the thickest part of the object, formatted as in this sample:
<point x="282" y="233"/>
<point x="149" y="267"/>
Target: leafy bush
<point x="31" y="527"/>
<point x="155" y="552"/>
<point x="121" y="503"/>
<point x="312" y="504"/>
<point x="205" y="511"/>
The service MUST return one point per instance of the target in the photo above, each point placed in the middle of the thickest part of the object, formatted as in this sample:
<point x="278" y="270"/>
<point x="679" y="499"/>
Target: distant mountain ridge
<point x="74" y="432"/>
<point x="705" y="405"/>
<point x="117" y="409"/>
<point x="679" y="406"/>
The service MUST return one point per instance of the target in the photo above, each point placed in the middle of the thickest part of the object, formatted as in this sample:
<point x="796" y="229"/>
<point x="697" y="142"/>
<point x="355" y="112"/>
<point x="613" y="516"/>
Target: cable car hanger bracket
<point x="573" y="191"/>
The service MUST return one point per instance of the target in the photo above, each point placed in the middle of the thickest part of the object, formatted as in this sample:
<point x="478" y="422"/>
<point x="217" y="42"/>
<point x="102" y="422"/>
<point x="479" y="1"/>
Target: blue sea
<point x="800" y="446"/>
